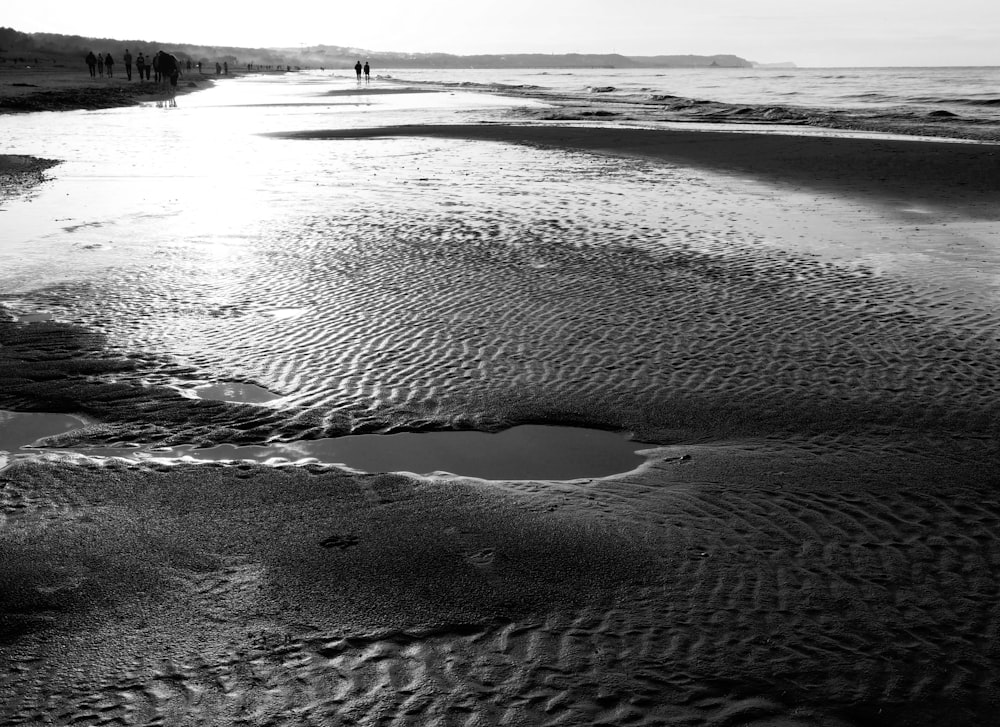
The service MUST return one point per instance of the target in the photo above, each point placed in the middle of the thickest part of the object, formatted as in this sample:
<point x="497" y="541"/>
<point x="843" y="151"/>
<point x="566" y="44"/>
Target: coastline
<point x="839" y="574"/>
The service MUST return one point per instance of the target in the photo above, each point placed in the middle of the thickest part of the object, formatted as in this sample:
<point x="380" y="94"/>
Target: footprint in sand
<point x="481" y="558"/>
<point x="342" y="542"/>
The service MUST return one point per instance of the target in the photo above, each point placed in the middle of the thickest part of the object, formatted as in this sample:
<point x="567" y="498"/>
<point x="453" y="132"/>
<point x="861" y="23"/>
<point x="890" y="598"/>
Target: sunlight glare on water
<point x="136" y="183"/>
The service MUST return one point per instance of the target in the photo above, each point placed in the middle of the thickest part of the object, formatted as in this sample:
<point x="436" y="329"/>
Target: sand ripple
<point x="738" y="585"/>
<point x="614" y="291"/>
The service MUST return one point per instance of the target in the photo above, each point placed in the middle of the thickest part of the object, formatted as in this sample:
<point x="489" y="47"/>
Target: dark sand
<point x="48" y="88"/>
<point x="830" y="566"/>
<point x="20" y="173"/>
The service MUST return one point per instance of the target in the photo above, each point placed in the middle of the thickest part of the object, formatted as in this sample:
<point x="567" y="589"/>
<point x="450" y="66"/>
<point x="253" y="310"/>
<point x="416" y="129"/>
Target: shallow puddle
<point x="530" y="452"/>
<point x="34" y="318"/>
<point x="22" y="429"/>
<point x="234" y="392"/>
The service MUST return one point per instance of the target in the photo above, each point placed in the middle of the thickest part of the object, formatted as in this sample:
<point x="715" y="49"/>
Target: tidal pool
<point x="21" y="429"/>
<point x="528" y="452"/>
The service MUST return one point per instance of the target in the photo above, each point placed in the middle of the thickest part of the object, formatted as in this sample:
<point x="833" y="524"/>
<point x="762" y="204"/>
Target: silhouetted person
<point x="218" y="68"/>
<point x="127" y="59"/>
<point x="357" y="69"/>
<point x="225" y="68"/>
<point x="167" y="66"/>
<point x="92" y="64"/>
<point x="100" y="64"/>
<point x="140" y="65"/>
<point x="109" y="64"/>
<point x="149" y="67"/>
<point x="367" y="72"/>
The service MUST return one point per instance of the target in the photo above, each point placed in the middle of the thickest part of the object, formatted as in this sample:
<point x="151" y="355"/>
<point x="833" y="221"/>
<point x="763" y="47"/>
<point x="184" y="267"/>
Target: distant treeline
<point x="50" y="46"/>
<point x="68" y="49"/>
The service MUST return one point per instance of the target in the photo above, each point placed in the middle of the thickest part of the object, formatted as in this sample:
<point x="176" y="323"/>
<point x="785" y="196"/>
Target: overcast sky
<point x="808" y="32"/>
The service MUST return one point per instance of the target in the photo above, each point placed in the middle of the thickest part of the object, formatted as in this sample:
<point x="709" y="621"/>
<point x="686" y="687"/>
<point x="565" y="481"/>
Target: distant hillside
<point x="53" y="48"/>
<point x="335" y="56"/>
<point x="783" y="64"/>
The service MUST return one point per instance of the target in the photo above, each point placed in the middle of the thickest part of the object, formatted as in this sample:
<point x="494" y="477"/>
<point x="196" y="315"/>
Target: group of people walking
<point x="104" y="63"/>
<point x="100" y="63"/>
<point x="167" y="65"/>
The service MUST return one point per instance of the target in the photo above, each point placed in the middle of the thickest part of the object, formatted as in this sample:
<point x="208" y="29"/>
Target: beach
<point x="798" y="330"/>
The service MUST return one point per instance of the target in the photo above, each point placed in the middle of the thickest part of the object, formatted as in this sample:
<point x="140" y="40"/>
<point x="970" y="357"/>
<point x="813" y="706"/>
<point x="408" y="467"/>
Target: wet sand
<point x="19" y="173"/>
<point x="954" y="177"/>
<point x="813" y="542"/>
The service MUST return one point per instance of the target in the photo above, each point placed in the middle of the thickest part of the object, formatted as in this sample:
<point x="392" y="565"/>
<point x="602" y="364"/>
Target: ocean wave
<point x="978" y="101"/>
<point x="765" y="113"/>
<point x="470" y="85"/>
<point x="953" y="101"/>
<point x="869" y="96"/>
<point x="496" y="86"/>
<point x="925" y="113"/>
<point x="897" y="118"/>
<point x="516" y="87"/>
<point x="705" y="110"/>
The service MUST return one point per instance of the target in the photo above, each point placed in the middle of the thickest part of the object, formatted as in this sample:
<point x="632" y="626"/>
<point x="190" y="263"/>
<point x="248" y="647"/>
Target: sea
<point x="951" y="88"/>
<point x="400" y="283"/>
<point x="948" y="95"/>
